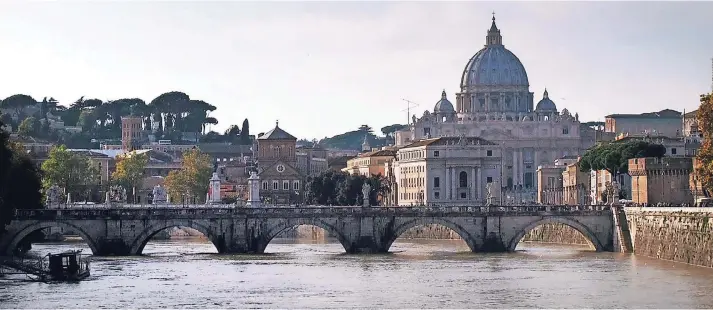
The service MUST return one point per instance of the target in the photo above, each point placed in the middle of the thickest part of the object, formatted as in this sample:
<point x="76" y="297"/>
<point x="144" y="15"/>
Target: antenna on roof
<point x="408" y="109"/>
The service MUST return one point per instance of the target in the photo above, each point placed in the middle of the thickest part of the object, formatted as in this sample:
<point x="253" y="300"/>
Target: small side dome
<point x="443" y="105"/>
<point x="546" y="105"/>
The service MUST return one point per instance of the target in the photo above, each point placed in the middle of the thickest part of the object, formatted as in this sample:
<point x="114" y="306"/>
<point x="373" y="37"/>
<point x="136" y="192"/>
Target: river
<point x="418" y="274"/>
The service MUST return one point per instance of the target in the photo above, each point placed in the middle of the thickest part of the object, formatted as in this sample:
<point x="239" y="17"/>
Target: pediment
<point x="279" y="169"/>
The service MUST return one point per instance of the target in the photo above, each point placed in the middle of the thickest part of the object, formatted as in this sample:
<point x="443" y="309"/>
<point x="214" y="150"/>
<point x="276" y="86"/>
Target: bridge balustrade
<point x="222" y="210"/>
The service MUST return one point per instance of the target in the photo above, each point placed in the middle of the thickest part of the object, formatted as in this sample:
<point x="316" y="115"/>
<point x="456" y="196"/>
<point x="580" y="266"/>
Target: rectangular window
<point x="462" y="195"/>
<point x="275" y="185"/>
<point x="285" y="185"/>
<point x="673" y="151"/>
<point x="436" y="182"/>
<point x="489" y="179"/>
<point x="565" y="130"/>
<point x="437" y="195"/>
<point x="436" y="153"/>
<point x="489" y="153"/>
<point x="296" y="185"/>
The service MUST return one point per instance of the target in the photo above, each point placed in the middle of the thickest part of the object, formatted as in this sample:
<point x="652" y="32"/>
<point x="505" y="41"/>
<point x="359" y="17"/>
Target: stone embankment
<point x="555" y="233"/>
<point x="677" y="234"/>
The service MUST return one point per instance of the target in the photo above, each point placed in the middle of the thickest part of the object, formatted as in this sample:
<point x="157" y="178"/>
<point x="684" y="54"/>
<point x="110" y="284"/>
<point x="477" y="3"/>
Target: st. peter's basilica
<point x="495" y="103"/>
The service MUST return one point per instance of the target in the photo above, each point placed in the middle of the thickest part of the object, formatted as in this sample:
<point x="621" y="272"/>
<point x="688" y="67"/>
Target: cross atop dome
<point x="494" y="37"/>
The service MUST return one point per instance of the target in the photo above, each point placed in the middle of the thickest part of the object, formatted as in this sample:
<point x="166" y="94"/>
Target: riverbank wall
<point x="555" y="233"/>
<point x="682" y="235"/>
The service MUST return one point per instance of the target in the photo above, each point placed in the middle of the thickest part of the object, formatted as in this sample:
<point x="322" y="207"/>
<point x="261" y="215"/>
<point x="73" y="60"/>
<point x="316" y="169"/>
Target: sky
<point x="324" y="68"/>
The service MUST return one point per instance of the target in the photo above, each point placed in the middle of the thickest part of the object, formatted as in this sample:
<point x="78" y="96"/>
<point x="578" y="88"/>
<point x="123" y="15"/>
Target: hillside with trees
<point x="169" y="116"/>
<point x="352" y="140"/>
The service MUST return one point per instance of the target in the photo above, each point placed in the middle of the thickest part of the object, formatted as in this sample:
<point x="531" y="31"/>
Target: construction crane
<point x="408" y="109"/>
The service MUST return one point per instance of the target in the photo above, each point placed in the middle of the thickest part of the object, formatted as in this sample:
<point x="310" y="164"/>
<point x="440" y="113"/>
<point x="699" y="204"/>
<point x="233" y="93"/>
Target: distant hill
<point x="352" y="140"/>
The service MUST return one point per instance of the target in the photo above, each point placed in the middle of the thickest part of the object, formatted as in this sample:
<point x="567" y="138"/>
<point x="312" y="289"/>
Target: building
<point x="104" y="163"/>
<point x="549" y="184"/>
<point x="338" y="163"/>
<point x="370" y="163"/>
<point x="311" y="160"/>
<point x="131" y="132"/>
<point x="281" y="182"/>
<point x="550" y="180"/>
<point x="575" y="185"/>
<point x="446" y="170"/>
<point x="666" y="122"/>
<point x="495" y="104"/>
<point x="223" y="152"/>
<point x="661" y="180"/>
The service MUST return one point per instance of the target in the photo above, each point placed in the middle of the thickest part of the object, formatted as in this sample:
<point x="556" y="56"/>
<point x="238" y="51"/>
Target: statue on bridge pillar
<point x="116" y="194"/>
<point x="365" y="192"/>
<point x="159" y="195"/>
<point x="214" y="189"/>
<point x="52" y="196"/>
<point x="254" y="190"/>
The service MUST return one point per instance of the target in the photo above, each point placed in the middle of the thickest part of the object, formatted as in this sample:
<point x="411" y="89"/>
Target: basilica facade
<point x="495" y="104"/>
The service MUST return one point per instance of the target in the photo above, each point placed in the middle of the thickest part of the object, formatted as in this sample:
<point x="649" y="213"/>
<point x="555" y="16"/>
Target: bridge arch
<point x="403" y="227"/>
<point x="137" y="246"/>
<point x="581" y="228"/>
<point x="37" y="226"/>
<point x="283" y="225"/>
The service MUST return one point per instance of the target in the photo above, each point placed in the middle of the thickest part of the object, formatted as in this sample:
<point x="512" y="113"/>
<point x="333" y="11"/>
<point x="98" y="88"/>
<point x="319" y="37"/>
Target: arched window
<point x="463" y="179"/>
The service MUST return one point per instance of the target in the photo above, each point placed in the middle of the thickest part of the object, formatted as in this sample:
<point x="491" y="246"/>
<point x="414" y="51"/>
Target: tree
<point x="28" y="127"/>
<point x="245" y="133"/>
<point x="391" y="129"/>
<point x="340" y="188"/>
<point x="75" y="173"/>
<point x="232" y="134"/>
<point x="190" y="183"/>
<point x="130" y="172"/>
<point x="19" y="181"/>
<point x="705" y="153"/>
<point x="614" y="157"/>
<point x="18" y="103"/>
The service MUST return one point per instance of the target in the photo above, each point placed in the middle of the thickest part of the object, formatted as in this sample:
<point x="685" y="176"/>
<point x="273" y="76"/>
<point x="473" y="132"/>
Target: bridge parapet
<point x="229" y="211"/>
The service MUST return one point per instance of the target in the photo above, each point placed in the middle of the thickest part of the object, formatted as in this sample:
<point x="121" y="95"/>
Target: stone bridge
<point x="125" y="230"/>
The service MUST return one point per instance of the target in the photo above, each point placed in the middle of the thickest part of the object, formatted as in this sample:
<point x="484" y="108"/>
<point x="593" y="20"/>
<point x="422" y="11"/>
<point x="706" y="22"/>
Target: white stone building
<point x="447" y="170"/>
<point x="495" y="104"/>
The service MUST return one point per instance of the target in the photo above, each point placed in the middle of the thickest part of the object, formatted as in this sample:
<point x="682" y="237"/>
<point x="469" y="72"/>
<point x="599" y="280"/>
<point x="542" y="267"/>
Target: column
<point x="454" y="185"/>
<point x="536" y="162"/>
<point x="514" y="167"/>
<point x="520" y="167"/>
<point x="480" y="183"/>
<point x="446" y="185"/>
<point x="474" y="184"/>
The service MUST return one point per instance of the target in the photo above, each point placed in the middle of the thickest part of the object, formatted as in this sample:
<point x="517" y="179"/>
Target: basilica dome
<point x="546" y="104"/>
<point x="443" y="105"/>
<point x="494" y="65"/>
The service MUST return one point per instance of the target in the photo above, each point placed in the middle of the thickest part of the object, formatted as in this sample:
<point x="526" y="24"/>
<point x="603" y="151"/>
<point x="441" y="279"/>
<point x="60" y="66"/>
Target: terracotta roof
<point x="339" y="160"/>
<point x="450" y="141"/>
<point x="277" y="134"/>
<point x="378" y="153"/>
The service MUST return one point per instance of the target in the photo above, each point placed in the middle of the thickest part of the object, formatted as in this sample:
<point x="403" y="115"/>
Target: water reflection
<point x="418" y="274"/>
